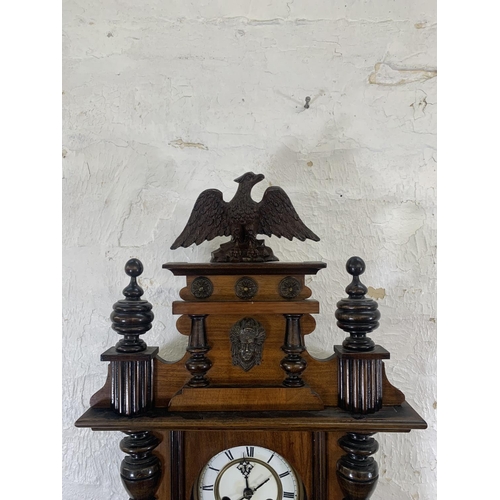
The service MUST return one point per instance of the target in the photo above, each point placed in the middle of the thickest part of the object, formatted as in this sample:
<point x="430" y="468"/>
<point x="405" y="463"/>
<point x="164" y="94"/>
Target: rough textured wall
<point x="164" y="99"/>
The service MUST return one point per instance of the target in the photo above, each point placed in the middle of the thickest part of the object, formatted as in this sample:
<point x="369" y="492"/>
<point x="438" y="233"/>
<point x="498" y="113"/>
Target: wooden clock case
<point x="320" y="415"/>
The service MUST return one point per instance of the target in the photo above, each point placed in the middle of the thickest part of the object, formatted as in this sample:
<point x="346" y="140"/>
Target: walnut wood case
<point x="247" y="378"/>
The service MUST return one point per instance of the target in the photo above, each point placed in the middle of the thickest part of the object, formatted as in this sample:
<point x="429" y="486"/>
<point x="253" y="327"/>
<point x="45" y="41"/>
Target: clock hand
<point x="245" y="496"/>
<point x="248" y="492"/>
<point x="262" y="484"/>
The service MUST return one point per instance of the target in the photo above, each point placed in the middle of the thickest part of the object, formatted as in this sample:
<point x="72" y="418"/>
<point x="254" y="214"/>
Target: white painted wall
<point x="164" y="99"/>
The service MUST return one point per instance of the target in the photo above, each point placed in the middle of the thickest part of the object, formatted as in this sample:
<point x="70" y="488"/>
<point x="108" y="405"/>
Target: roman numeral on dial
<point x="208" y="488"/>
<point x="250" y="451"/>
<point x="284" y="474"/>
<point x="229" y="454"/>
<point x="287" y="494"/>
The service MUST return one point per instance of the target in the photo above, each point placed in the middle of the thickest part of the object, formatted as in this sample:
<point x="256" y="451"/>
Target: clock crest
<point x="242" y="219"/>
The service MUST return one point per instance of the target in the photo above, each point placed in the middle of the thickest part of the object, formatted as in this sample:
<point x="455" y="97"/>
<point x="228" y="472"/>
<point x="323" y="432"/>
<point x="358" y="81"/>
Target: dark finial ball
<point x="355" y="266"/>
<point x="134" y="268"/>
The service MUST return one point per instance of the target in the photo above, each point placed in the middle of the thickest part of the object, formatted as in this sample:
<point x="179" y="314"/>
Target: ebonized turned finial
<point x="133" y="268"/>
<point x="355" y="266"/>
<point x="133" y="316"/>
<point x="357" y="315"/>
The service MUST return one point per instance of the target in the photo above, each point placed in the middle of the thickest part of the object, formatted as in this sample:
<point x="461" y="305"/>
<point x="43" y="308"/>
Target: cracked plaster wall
<point x="164" y="99"/>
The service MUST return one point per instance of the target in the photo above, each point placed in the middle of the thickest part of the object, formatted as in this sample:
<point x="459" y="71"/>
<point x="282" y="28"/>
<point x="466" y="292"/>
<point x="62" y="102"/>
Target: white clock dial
<point x="248" y="473"/>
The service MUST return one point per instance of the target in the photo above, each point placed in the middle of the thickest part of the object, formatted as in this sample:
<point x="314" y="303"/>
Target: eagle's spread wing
<point x="208" y="220"/>
<point x="277" y="216"/>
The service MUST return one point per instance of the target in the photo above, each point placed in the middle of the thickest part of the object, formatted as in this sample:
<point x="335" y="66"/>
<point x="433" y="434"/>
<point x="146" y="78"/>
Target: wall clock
<point x="248" y="413"/>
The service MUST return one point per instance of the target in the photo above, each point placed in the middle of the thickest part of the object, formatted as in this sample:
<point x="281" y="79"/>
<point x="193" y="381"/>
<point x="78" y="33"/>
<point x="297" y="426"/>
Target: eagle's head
<point x="249" y="178"/>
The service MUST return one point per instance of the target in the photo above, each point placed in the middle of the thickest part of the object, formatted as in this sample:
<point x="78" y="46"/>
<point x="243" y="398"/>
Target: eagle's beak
<point x="256" y="178"/>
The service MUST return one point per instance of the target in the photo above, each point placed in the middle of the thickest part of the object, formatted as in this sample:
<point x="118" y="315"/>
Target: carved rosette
<point x="289" y="288"/>
<point x="202" y="287"/>
<point x="246" y="288"/>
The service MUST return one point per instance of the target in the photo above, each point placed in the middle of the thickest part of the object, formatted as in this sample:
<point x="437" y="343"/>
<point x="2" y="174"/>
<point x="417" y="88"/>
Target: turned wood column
<point x="198" y="364"/>
<point x="141" y="471"/>
<point x="359" y="384"/>
<point x="132" y="364"/>
<point x="357" y="472"/>
<point x="319" y="466"/>
<point x="177" y="465"/>
<point x="293" y="363"/>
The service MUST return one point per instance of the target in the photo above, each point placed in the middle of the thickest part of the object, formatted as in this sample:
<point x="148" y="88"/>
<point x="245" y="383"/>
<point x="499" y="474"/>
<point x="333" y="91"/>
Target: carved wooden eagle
<point x="242" y="219"/>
